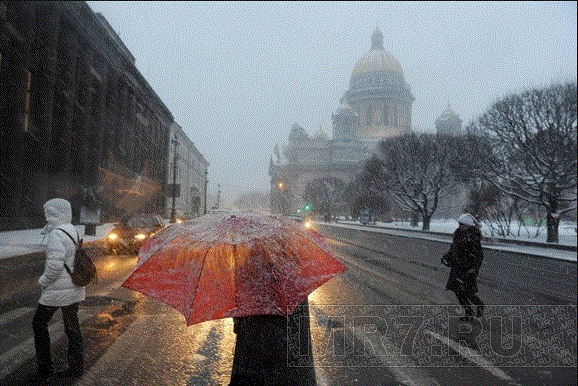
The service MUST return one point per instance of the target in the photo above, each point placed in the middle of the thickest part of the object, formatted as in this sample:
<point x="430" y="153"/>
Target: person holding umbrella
<point x="263" y="355"/>
<point x="253" y="267"/>
<point x="464" y="259"/>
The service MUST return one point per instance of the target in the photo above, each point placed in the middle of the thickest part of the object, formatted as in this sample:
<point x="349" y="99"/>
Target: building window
<point x="395" y="112"/>
<point x="27" y="95"/>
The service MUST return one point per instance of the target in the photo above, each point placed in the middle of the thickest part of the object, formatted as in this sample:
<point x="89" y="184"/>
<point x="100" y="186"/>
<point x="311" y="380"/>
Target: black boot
<point x="40" y="378"/>
<point x="70" y="373"/>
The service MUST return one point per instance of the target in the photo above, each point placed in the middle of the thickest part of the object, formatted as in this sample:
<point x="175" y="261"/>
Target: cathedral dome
<point x="377" y="59"/>
<point x="378" y="94"/>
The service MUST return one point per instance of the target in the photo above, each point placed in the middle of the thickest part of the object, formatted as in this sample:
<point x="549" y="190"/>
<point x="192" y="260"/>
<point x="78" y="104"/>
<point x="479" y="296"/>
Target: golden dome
<point x="377" y="59"/>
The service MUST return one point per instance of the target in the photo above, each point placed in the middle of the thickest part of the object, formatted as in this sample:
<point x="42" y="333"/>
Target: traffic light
<point x="298" y="211"/>
<point x="307" y="207"/>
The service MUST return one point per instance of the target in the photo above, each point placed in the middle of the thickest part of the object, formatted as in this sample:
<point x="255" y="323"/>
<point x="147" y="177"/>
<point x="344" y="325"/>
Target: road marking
<point x="11" y="360"/>
<point x="126" y="347"/>
<point x="320" y="377"/>
<point x="473" y="356"/>
<point x="11" y="315"/>
<point x="145" y="332"/>
<point x="404" y="369"/>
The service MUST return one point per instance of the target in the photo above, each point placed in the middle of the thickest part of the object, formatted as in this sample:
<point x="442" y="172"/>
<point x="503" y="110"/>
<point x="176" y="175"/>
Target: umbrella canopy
<point x="229" y="264"/>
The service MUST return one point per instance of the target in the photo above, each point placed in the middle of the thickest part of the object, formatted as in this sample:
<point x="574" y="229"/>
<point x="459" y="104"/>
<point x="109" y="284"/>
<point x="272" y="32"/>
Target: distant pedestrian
<point x="263" y="355"/>
<point x="58" y="291"/>
<point x="464" y="259"/>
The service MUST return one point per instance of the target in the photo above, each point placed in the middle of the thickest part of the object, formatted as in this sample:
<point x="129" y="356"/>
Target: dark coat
<point x="261" y="350"/>
<point x="464" y="255"/>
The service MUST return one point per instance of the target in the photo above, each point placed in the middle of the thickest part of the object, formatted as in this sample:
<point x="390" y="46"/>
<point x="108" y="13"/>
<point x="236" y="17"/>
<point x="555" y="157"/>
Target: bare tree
<point x="326" y="196"/>
<point x="362" y="193"/>
<point x="533" y="137"/>
<point x="416" y="171"/>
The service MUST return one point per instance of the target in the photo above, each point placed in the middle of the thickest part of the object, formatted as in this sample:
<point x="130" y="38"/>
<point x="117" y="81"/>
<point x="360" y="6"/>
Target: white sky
<point x="237" y="75"/>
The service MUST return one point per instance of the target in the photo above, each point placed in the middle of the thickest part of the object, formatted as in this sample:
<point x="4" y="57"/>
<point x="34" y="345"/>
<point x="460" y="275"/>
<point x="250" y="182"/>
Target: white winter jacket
<point x="56" y="283"/>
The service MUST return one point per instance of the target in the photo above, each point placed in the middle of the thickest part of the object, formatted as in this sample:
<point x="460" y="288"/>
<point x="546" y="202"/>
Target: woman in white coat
<point x="58" y="291"/>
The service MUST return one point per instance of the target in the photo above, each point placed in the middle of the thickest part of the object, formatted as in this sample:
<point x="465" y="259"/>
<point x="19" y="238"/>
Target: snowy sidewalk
<point x="23" y="242"/>
<point x="566" y="231"/>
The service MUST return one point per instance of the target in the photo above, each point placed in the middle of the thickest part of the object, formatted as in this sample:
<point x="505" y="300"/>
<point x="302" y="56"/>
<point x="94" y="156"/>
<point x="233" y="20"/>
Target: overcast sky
<point x="237" y="75"/>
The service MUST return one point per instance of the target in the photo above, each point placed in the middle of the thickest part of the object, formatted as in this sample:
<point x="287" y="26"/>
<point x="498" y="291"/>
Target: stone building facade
<point x="76" y="116"/>
<point x="376" y="105"/>
<point x="191" y="174"/>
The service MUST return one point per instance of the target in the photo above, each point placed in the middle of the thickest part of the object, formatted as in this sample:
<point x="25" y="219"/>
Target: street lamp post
<point x="206" y="183"/>
<point x="174" y="192"/>
<point x="283" y="205"/>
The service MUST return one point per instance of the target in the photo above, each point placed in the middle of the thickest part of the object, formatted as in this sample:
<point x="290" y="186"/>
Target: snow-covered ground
<point x="566" y="231"/>
<point x="567" y="236"/>
<point x="22" y="242"/>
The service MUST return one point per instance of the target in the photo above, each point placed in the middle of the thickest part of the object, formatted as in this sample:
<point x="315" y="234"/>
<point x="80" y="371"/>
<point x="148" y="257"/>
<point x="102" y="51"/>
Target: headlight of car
<point x="140" y="236"/>
<point x="112" y="236"/>
<point x="307" y="224"/>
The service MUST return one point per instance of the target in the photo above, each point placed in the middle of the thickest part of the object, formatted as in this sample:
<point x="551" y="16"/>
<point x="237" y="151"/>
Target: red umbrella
<point x="229" y="264"/>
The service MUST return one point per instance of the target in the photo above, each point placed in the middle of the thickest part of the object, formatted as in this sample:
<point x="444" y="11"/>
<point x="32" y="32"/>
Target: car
<point x="365" y="217"/>
<point x="130" y="234"/>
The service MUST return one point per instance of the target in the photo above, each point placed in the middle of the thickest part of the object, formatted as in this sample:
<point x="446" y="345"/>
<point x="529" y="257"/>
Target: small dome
<point x="297" y="133"/>
<point x="343" y="106"/>
<point x="320" y="134"/>
<point x="449" y="112"/>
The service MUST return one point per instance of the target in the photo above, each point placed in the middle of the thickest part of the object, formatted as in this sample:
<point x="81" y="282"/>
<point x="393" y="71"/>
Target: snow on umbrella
<point x="229" y="264"/>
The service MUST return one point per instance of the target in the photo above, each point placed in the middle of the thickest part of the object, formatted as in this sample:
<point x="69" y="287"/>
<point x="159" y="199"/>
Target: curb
<point x="489" y="240"/>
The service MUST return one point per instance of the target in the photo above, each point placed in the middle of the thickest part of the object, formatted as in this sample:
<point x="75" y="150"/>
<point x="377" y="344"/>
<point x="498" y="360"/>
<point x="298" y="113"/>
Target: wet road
<point x="366" y="330"/>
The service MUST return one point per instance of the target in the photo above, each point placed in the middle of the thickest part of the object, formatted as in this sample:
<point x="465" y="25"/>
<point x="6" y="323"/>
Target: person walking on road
<point x="464" y="259"/>
<point x="58" y="291"/>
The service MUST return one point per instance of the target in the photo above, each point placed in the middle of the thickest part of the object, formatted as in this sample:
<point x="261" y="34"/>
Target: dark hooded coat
<point x="464" y="255"/>
<point x="273" y="350"/>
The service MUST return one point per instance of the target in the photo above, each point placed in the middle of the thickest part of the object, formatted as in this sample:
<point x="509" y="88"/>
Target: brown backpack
<point x="84" y="269"/>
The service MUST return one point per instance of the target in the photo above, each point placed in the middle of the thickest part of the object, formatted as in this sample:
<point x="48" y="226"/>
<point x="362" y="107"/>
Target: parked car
<point x="130" y="234"/>
<point x="364" y="217"/>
